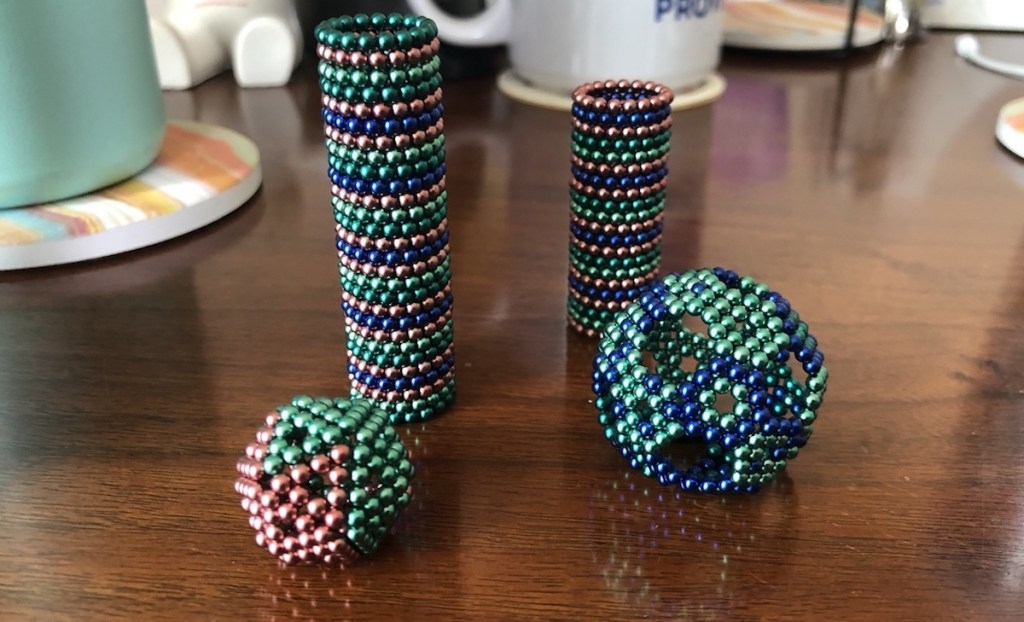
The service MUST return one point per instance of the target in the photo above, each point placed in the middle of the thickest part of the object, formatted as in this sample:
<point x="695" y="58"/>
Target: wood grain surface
<point x="869" y="191"/>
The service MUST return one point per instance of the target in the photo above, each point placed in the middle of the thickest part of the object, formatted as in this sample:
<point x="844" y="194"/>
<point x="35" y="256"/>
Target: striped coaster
<point x="202" y="173"/>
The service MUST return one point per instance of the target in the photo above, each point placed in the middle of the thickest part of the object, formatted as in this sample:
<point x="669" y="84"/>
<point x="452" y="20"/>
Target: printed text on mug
<point x="690" y="9"/>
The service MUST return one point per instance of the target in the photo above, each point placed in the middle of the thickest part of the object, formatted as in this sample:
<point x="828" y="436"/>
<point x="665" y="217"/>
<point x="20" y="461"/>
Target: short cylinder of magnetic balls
<point x="753" y="350"/>
<point x="620" y="141"/>
<point x="324" y="480"/>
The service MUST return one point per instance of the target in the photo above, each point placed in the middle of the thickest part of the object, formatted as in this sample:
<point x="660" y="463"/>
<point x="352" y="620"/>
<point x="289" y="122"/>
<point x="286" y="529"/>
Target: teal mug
<point x="80" y="103"/>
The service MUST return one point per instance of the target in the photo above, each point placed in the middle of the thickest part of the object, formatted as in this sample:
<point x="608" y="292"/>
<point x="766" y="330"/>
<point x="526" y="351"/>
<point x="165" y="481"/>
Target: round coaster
<point x="518" y="89"/>
<point x="1010" y="127"/>
<point x="202" y="173"/>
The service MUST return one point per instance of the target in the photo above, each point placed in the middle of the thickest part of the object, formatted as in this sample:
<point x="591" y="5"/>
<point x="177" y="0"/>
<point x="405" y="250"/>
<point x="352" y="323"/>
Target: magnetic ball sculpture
<point x="620" y="142"/>
<point x="325" y="478"/>
<point x="382" y="113"/>
<point x="745" y="351"/>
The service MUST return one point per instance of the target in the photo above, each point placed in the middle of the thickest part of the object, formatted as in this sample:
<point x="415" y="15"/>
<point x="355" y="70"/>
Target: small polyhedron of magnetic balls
<point x="750" y="347"/>
<point x="324" y="480"/>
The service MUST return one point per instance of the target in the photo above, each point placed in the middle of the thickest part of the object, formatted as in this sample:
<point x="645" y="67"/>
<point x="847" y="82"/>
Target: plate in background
<point x="1010" y="127"/>
<point x="800" y="26"/>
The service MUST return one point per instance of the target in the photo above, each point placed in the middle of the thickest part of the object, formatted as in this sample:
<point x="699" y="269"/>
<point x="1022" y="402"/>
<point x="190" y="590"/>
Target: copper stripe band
<point x="618" y="170"/>
<point x="660" y="97"/>
<point x="622" y="132"/>
<point x="617" y="194"/>
<point x="398" y="244"/>
<point x="395" y="58"/>
<point x="379" y="111"/>
<point x="606" y="228"/>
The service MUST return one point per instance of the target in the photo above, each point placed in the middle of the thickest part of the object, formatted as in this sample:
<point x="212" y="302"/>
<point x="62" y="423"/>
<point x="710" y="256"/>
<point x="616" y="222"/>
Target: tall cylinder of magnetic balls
<point x="383" y="126"/>
<point x="620" y="143"/>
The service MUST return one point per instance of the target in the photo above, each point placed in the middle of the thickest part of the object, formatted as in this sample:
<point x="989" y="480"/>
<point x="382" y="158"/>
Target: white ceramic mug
<point x="559" y="44"/>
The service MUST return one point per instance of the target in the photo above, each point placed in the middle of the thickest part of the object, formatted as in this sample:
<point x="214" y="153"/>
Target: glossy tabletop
<point x="870" y="191"/>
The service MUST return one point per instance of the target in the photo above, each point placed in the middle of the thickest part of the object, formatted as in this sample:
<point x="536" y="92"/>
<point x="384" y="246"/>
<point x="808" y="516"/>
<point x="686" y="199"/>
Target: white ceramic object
<point x="558" y="44"/>
<point x="968" y="48"/>
<point x="194" y="40"/>
<point x="1010" y="127"/>
<point x="511" y="85"/>
<point x="974" y="14"/>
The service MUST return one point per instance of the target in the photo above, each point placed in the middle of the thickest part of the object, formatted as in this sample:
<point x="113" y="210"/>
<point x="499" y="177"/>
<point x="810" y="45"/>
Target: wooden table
<point x="870" y="191"/>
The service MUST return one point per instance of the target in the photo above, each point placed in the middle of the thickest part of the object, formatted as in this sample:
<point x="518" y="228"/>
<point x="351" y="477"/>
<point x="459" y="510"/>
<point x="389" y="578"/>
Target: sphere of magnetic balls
<point x="745" y="384"/>
<point x="324" y="480"/>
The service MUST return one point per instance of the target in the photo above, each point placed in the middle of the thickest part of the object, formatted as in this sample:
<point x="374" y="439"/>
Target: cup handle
<point x="490" y="27"/>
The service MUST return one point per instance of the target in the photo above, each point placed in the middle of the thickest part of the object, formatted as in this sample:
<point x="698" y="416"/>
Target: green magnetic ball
<point x="332" y="434"/>
<point x="398" y="76"/>
<point x="366" y="42"/>
<point x="277" y="445"/>
<point x="272" y="465"/>
<point x="284" y="429"/>
<point x="387" y="41"/>
<point x="292" y="454"/>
